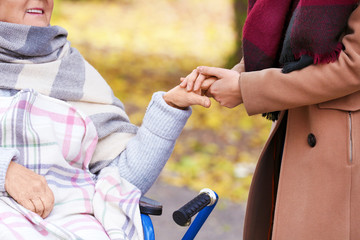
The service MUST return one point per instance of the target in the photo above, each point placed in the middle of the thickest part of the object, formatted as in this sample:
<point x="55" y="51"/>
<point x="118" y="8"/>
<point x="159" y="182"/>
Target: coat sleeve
<point x="271" y="90"/>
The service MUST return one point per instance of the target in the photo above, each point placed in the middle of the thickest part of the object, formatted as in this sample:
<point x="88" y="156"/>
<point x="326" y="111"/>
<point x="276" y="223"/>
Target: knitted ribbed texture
<point x="6" y="155"/>
<point x="147" y="153"/>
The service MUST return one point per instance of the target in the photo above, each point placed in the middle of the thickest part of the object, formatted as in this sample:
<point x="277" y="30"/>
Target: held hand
<point x="226" y="89"/>
<point x="196" y="81"/>
<point x="179" y="98"/>
<point x="29" y="189"/>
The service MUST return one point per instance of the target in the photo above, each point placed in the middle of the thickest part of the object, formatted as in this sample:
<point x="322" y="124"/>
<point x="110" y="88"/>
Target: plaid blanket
<point x="41" y="58"/>
<point x="57" y="141"/>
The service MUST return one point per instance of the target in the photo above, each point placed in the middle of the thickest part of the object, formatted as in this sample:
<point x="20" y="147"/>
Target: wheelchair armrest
<point x="149" y="206"/>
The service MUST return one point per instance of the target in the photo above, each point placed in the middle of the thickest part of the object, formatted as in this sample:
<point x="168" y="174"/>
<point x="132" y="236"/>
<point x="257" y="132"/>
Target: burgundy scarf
<point x="293" y="33"/>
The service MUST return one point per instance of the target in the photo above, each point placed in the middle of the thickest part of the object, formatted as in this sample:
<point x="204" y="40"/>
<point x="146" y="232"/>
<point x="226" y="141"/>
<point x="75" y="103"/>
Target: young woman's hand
<point x="219" y="83"/>
<point x="29" y="189"/>
<point x="180" y="98"/>
<point x="196" y="81"/>
<point x="226" y="89"/>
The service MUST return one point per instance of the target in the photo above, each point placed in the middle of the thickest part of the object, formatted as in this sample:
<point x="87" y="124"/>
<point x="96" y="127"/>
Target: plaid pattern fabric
<point x="42" y="59"/>
<point x="57" y="141"/>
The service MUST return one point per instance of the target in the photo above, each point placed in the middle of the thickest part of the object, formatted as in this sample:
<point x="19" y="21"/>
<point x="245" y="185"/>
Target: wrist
<point x="164" y="120"/>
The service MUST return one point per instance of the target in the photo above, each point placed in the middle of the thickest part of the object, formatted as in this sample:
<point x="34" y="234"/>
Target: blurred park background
<point x="143" y="46"/>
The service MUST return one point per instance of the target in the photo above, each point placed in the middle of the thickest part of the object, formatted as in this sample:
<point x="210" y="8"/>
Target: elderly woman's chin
<point x="36" y="20"/>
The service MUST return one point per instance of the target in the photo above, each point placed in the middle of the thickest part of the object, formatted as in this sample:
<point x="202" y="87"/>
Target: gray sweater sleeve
<point x="148" y="151"/>
<point x="6" y="155"/>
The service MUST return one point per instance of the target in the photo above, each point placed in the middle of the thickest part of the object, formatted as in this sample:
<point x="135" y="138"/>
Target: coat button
<point x="311" y="140"/>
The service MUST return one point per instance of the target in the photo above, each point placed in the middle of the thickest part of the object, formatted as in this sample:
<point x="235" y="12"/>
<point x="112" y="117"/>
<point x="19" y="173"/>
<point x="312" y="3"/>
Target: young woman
<point x="307" y="181"/>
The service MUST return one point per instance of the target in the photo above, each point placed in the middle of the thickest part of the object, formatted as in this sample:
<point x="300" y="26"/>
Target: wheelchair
<point x="202" y="205"/>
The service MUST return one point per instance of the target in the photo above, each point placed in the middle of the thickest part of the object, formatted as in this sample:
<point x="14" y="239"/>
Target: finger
<point x="200" y="100"/>
<point x="198" y="92"/>
<point x="207" y="83"/>
<point x="209" y="92"/>
<point x="199" y="80"/>
<point x="183" y="82"/>
<point x="212" y="71"/>
<point x="188" y="78"/>
<point x="38" y="205"/>
<point x="48" y="201"/>
<point x="27" y="204"/>
<point x="191" y="79"/>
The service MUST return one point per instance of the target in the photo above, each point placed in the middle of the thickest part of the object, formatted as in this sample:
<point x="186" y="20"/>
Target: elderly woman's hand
<point x="29" y="189"/>
<point x="180" y="98"/>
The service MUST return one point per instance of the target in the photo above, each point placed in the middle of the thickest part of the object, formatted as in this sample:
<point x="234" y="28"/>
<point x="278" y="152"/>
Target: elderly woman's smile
<point x="27" y="12"/>
<point x="35" y="11"/>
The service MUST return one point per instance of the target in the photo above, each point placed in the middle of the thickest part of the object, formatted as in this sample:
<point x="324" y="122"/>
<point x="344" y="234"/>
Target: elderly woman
<point x="72" y="165"/>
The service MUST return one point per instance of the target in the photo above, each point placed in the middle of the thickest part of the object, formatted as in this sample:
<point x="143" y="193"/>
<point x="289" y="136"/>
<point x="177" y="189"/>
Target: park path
<point x="225" y="222"/>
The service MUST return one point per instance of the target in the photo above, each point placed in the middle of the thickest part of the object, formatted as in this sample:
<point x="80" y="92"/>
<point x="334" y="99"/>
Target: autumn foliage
<point x="144" y="46"/>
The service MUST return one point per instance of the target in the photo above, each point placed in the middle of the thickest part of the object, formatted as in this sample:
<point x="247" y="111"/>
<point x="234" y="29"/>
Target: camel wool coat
<point x="315" y="194"/>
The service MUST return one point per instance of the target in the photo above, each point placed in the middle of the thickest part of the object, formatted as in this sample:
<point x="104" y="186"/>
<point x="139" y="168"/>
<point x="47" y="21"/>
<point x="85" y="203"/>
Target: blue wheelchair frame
<point x="149" y="233"/>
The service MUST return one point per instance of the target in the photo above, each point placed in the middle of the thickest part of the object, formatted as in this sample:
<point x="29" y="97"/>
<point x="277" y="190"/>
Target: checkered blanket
<point x="42" y="59"/>
<point x="57" y="141"/>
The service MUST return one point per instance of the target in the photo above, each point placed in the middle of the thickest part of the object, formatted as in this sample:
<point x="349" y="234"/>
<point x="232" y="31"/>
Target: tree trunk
<point x="240" y="12"/>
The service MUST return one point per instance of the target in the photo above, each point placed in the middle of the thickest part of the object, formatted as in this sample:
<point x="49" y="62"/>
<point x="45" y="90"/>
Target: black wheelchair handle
<point x="183" y="216"/>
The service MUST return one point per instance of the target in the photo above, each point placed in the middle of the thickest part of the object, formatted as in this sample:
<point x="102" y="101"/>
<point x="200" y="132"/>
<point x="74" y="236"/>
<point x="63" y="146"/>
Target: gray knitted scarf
<point x="41" y="58"/>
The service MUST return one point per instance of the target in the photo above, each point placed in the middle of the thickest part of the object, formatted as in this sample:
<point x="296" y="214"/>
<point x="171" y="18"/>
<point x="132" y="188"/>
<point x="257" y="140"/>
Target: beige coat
<point x="318" y="193"/>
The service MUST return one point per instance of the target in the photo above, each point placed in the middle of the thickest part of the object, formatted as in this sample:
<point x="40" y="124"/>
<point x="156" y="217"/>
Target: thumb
<point x="207" y="83"/>
<point x="200" y="100"/>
